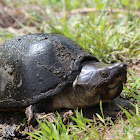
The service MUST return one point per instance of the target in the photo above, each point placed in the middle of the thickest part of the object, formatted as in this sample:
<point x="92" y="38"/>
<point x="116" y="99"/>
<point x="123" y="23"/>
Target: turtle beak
<point x="118" y="77"/>
<point x="123" y="67"/>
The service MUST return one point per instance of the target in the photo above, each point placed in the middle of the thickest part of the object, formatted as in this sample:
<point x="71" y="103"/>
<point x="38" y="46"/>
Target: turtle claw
<point x="29" y="113"/>
<point x="67" y="115"/>
<point x="51" y="117"/>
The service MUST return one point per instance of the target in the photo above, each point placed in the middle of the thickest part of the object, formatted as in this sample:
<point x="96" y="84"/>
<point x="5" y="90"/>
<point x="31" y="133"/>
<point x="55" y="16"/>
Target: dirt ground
<point x="13" y="125"/>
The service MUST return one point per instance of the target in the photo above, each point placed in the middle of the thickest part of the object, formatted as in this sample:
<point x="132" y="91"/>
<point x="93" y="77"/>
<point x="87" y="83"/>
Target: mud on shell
<point x="50" y="71"/>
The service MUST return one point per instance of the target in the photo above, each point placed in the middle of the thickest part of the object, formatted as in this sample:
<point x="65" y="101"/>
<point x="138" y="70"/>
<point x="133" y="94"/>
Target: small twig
<point x="89" y="10"/>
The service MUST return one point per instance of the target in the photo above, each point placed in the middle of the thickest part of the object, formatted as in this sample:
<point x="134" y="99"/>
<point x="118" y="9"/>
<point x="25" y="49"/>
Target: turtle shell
<point x="37" y="66"/>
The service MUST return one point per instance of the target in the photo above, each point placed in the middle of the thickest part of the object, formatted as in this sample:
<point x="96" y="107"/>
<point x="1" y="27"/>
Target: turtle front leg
<point x="29" y="113"/>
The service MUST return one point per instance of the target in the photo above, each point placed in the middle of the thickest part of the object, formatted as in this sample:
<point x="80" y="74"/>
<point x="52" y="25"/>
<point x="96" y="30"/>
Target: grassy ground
<point x="109" y="29"/>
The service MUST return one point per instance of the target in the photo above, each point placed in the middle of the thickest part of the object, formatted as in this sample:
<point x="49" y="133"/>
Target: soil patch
<point x="13" y="125"/>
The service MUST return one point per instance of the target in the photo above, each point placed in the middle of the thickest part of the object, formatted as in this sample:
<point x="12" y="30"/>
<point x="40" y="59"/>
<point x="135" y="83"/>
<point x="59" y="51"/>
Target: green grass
<point x="59" y="131"/>
<point x="110" y="35"/>
<point x="130" y="130"/>
<point x="86" y="129"/>
<point x="133" y="86"/>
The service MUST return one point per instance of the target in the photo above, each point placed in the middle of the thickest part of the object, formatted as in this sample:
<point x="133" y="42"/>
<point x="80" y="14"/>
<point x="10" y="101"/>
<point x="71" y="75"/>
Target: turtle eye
<point x="104" y="74"/>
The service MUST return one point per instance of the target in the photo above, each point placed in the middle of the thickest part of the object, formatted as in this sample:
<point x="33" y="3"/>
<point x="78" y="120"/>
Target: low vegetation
<point x="110" y="30"/>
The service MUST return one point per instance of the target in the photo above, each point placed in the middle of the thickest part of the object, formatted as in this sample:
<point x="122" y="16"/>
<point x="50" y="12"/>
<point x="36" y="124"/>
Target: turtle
<point x="45" y="71"/>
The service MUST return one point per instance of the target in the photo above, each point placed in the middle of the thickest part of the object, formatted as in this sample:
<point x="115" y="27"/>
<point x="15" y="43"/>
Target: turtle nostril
<point x="124" y="66"/>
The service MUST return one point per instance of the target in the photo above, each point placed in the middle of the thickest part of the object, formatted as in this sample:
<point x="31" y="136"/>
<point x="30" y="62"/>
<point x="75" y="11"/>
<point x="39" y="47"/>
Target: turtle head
<point x="98" y="81"/>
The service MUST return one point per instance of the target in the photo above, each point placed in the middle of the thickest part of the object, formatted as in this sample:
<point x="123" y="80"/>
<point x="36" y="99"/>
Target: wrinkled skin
<point x="105" y="82"/>
<point x="96" y="81"/>
<point x="50" y="72"/>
